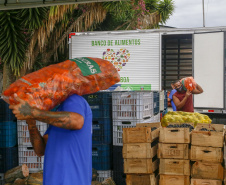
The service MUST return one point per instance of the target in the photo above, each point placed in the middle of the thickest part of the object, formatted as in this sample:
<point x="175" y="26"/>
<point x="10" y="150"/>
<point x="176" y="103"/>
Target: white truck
<point x="151" y="59"/>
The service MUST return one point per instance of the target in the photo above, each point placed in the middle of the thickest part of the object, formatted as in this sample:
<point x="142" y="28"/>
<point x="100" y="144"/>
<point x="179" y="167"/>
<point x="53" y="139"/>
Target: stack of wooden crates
<point x="128" y="109"/>
<point x="173" y="151"/>
<point x="207" y="142"/>
<point x="184" y="156"/>
<point x="140" y="153"/>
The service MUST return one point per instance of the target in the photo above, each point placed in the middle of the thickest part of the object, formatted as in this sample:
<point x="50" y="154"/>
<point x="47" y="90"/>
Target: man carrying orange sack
<point x="67" y="143"/>
<point x="183" y="99"/>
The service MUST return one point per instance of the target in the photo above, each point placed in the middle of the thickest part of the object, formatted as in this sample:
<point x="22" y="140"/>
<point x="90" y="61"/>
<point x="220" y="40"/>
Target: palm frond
<point x="41" y="35"/>
<point x="33" y="17"/>
<point x="13" y="45"/>
<point x="165" y="9"/>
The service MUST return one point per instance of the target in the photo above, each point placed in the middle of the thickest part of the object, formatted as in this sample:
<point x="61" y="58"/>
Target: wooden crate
<point x="208" y="154"/>
<point x="174" y="135"/>
<point x="224" y="176"/>
<point x="141" y="179"/>
<point x="174" y="167"/>
<point x="141" y="166"/>
<point x="139" y="150"/>
<point x="173" y="151"/>
<point x="225" y="150"/>
<point x="140" y="134"/>
<point x="208" y="138"/>
<point x="174" y="180"/>
<point x="207" y="170"/>
<point x="205" y="182"/>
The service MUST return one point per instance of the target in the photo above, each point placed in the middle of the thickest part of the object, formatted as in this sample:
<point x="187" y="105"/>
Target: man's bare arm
<point x="198" y="89"/>
<point x="37" y="141"/>
<point x="66" y="120"/>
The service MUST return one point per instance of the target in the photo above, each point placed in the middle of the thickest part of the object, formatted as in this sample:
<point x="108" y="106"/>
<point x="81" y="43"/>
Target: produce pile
<point x="49" y="86"/>
<point x="205" y="129"/>
<point x="184" y="117"/>
<point x="183" y="125"/>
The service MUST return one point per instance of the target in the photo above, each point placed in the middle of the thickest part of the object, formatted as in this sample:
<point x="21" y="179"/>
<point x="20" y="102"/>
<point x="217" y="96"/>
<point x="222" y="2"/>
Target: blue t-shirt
<point x="171" y="97"/>
<point x="68" y="153"/>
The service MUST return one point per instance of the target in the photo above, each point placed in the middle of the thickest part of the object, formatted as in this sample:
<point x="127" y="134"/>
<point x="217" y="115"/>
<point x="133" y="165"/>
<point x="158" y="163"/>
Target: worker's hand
<point x="22" y="110"/>
<point x="188" y="93"/>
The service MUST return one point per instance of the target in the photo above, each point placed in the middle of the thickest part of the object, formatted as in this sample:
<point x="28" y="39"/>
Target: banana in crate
<point x="184" y="117"/>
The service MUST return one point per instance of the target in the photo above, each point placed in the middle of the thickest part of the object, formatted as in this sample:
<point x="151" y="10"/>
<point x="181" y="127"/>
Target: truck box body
<point x="136" y="55"/>
<point x="152" y="59"/>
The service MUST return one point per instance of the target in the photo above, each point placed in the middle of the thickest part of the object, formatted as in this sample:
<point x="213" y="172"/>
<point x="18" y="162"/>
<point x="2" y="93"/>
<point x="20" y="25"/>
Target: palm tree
<point x="33" y="38"/>
<point x="12" y="44"/>
<point x="31" y="35"/>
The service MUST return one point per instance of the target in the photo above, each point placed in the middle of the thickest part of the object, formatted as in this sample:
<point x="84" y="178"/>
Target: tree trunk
<point x="19" y="181"/>
<point x="17" y="172"/>
<point x="8" y="77"/>
<point x="35" y="179"/>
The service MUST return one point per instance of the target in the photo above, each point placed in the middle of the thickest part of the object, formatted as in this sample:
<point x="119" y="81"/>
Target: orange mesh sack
<point x="189" y="83"/>
<point x="51" y="85"/>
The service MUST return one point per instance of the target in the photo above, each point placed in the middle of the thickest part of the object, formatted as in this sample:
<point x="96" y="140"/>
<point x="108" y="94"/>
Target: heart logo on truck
<point x="118" y="59"/>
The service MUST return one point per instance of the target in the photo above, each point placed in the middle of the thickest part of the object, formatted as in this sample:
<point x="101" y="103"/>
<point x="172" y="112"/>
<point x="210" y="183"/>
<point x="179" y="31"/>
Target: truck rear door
<point x="208" y="70"/>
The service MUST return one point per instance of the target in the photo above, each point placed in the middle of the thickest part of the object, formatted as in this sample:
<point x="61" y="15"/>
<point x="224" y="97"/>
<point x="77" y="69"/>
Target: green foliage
<point x="118" y="13"/>
<point x="110" y="23"/>
<point x="15" y="27"/>
<point x="38" y="64"/>
<point x="151" y="5"/>
<point x="33" y="17"/>
<point x="1" y="66"/>
<point x="12" y="40"/>
<point x="165" y="9"/>
<point x="119" y="10"/>
<point x="128" y="14"/>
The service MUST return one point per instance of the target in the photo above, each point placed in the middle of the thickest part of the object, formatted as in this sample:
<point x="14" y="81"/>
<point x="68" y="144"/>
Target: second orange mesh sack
<point x="188" y="83"/>
<point x="51" y="85"/>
